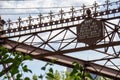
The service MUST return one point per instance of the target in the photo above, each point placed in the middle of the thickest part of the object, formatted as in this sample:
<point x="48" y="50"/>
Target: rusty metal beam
<point x="64" y="60"/>
<point x="92" y="47"/>
<point x="9" y="44"/>
<point x="46" y="53"/>
<point x="90" y="67"/>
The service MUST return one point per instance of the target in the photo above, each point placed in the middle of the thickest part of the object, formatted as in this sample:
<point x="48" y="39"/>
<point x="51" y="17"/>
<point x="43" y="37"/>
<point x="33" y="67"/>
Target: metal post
<point x="19" y="22"/>
<point x="107" y="3"/>
<point x="29" y="18"/>
<point x="61" y="14"/>
<point x="95" y="6"/>
<point x="40" y="17"/>
<point x="72" y="11"/>
<point x="9" y="23"/>
<point x="83" y="7"/>
<point x="51" y="15"/>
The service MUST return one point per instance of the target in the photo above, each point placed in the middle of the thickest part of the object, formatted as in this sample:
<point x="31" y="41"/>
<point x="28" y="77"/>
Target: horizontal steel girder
<point x="63" y="60"/>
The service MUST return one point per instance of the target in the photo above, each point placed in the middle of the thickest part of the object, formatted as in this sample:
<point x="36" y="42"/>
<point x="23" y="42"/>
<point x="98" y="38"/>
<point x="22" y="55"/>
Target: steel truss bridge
<point x="55" y="37"/>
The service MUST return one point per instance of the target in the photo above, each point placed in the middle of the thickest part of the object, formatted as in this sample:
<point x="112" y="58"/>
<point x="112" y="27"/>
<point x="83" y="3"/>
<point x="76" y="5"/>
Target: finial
<point x="72" y="10"/>
<point x="107" y="3"/>
<point x="88" y="12"/>
<point x="40" y="17"/>
<point x="51" y="15"/>
<point x="19" y="22"/>
<point x="83" y="7"/>
<point x="95" y="6"/>
<point x="29" y="19"/>
<point x="61" y="13"/>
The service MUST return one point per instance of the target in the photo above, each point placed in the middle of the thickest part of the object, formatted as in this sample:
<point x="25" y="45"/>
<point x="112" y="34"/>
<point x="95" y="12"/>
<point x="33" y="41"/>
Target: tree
<point x="14" y="68"/>
<point x="12" y="64"/>
<point x="77" y="73"/>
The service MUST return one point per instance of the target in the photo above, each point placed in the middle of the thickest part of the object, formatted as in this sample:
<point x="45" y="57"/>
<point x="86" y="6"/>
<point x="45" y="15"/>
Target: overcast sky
<point x="40" y="4"/>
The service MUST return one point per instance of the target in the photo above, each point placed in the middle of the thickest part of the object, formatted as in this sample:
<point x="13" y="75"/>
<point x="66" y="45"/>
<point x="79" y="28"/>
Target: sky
<point x="38" y="4"/>
<point x="44" y="7"/>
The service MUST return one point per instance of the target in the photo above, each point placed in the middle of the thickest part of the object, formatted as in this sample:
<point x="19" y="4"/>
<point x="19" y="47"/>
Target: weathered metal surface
<point x="90" y="67"/>
<point x="23" y="47"/>
<point x="63" y="60"/>
<point x="57" y="22"/>
<point x="90" y="30"/>
<point x="69" y="44"/>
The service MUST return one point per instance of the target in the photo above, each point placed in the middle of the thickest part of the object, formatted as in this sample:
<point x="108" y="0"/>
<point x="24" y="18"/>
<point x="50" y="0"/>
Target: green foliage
<point x="12" y="61"/>
<point x="50" y="74"/>
<point x="44" y="67"/>
<point x="27" y="57"/>
<point x="25" y="69"/>
<point x="103" y="78"/>
<point x="41" y="76"/>
<point x="35" y="77"/>
<point x="77" y="73"/>
<point x="27" y="78"/>
<point x="18" y="76"/>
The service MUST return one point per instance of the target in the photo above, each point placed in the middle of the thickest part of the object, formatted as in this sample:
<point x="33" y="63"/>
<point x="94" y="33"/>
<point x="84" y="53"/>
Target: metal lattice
<point x="55" y="37"/>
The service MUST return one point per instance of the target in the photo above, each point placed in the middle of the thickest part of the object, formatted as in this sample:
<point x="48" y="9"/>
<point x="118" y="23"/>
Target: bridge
<point x="55" y="36"/>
